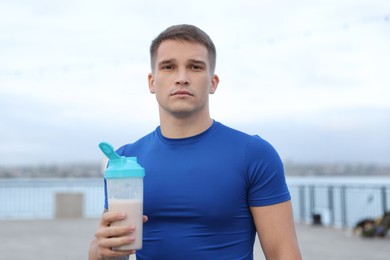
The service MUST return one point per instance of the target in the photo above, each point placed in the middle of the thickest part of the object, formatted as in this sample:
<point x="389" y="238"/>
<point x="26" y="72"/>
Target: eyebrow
<point x="170" y="61"/>
<point x="198" y="62"/>
<point x="166" y="61"/>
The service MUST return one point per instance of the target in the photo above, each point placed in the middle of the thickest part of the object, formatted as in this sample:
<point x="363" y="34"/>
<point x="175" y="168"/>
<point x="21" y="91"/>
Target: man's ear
<point x="214" y="84"/>
<point x="152" y="89"/>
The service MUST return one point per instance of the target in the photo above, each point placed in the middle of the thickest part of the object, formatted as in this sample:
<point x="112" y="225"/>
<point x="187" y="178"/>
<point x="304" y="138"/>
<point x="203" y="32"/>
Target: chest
<point x="184" y="185"/>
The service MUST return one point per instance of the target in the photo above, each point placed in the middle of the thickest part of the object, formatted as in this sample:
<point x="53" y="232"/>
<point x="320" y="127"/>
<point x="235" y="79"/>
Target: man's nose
<point x="182" y="78"/>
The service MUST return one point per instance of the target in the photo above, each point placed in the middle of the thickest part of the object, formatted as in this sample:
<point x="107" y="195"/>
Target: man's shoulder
<point x="249" y="141"/>
<point x="241" y="134"/>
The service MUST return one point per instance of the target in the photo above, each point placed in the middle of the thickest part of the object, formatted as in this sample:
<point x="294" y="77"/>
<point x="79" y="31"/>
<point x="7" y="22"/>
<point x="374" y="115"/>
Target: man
<point x="208" y="188"/>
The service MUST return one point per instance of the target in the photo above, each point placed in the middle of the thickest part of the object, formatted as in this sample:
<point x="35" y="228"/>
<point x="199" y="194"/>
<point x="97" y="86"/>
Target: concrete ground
<point x="68" y="239"/>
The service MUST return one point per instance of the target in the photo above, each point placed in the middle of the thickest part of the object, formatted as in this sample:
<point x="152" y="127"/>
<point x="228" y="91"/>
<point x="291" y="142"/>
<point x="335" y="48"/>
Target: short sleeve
<point x="267" y="183"/>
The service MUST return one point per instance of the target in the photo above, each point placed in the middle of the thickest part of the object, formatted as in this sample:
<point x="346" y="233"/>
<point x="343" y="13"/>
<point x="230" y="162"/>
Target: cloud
<point x="358" y="135"/>
<point x="74" y="73"/>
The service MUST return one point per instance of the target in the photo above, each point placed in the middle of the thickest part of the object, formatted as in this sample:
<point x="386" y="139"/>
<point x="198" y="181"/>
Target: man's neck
<point x="182" y="128"/>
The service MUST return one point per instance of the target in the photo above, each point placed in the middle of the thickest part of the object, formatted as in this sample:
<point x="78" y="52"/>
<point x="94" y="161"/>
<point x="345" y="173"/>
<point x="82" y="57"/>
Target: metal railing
<point x="339" y="205"/>
<point x="36" y="198"/>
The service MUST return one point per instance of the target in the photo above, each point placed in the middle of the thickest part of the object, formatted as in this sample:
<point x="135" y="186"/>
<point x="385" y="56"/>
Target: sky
<point x="310" y="77"/>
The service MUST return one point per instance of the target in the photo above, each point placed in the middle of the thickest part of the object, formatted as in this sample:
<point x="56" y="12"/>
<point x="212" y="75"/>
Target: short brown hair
<point x="185" y="32"/>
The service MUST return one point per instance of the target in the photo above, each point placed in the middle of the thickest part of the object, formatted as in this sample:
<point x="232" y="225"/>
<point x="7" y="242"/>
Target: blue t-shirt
<point x="198" y="190"/>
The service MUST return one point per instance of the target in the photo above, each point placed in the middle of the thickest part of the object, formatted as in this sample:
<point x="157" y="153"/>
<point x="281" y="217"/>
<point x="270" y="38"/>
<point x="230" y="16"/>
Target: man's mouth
<point x="181" y="92"/>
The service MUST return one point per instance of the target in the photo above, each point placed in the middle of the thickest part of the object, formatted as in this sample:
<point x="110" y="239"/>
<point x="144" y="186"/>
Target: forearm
<point x="94" y="255"/>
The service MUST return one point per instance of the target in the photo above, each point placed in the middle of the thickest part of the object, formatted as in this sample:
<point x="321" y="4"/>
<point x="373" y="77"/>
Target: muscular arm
<point x="275" y="227"/>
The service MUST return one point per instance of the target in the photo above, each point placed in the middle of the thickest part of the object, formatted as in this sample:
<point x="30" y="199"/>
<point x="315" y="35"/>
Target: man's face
<point x="181" y="78"/>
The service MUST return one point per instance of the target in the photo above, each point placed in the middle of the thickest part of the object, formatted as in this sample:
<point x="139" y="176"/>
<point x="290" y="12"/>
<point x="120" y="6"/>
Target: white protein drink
<point x="134" y="216"/>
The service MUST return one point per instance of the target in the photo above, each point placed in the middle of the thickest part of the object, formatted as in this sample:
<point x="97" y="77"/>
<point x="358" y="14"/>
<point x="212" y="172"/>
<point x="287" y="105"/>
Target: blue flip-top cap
<point x="120" y="166"/>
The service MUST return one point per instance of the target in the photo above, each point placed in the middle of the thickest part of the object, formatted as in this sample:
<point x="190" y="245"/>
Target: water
<point x="340" y="180"/>
<point x="363" y="197"/>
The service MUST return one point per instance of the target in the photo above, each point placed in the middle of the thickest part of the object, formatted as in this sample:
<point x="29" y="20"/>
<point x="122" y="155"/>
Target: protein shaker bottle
<point x="124" y="178"/>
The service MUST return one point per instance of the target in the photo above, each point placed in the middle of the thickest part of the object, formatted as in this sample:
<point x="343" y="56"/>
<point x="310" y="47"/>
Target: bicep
<point x="276" y="230"/>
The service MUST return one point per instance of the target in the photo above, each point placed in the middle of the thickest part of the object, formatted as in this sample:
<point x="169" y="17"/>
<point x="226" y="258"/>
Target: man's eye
<point x="167" y="67"/>
<point x="196" y="67"/>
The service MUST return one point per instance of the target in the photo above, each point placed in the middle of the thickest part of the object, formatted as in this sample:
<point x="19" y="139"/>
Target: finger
<point x="109" y="243"/>
<point x="109" y="217"/>
<point x="111" y="253"/>
<point x="114" y="231"/>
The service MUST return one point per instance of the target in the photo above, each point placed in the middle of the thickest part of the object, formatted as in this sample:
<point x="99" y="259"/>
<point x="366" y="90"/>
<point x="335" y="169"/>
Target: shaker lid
<point x="120" y="166"/>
